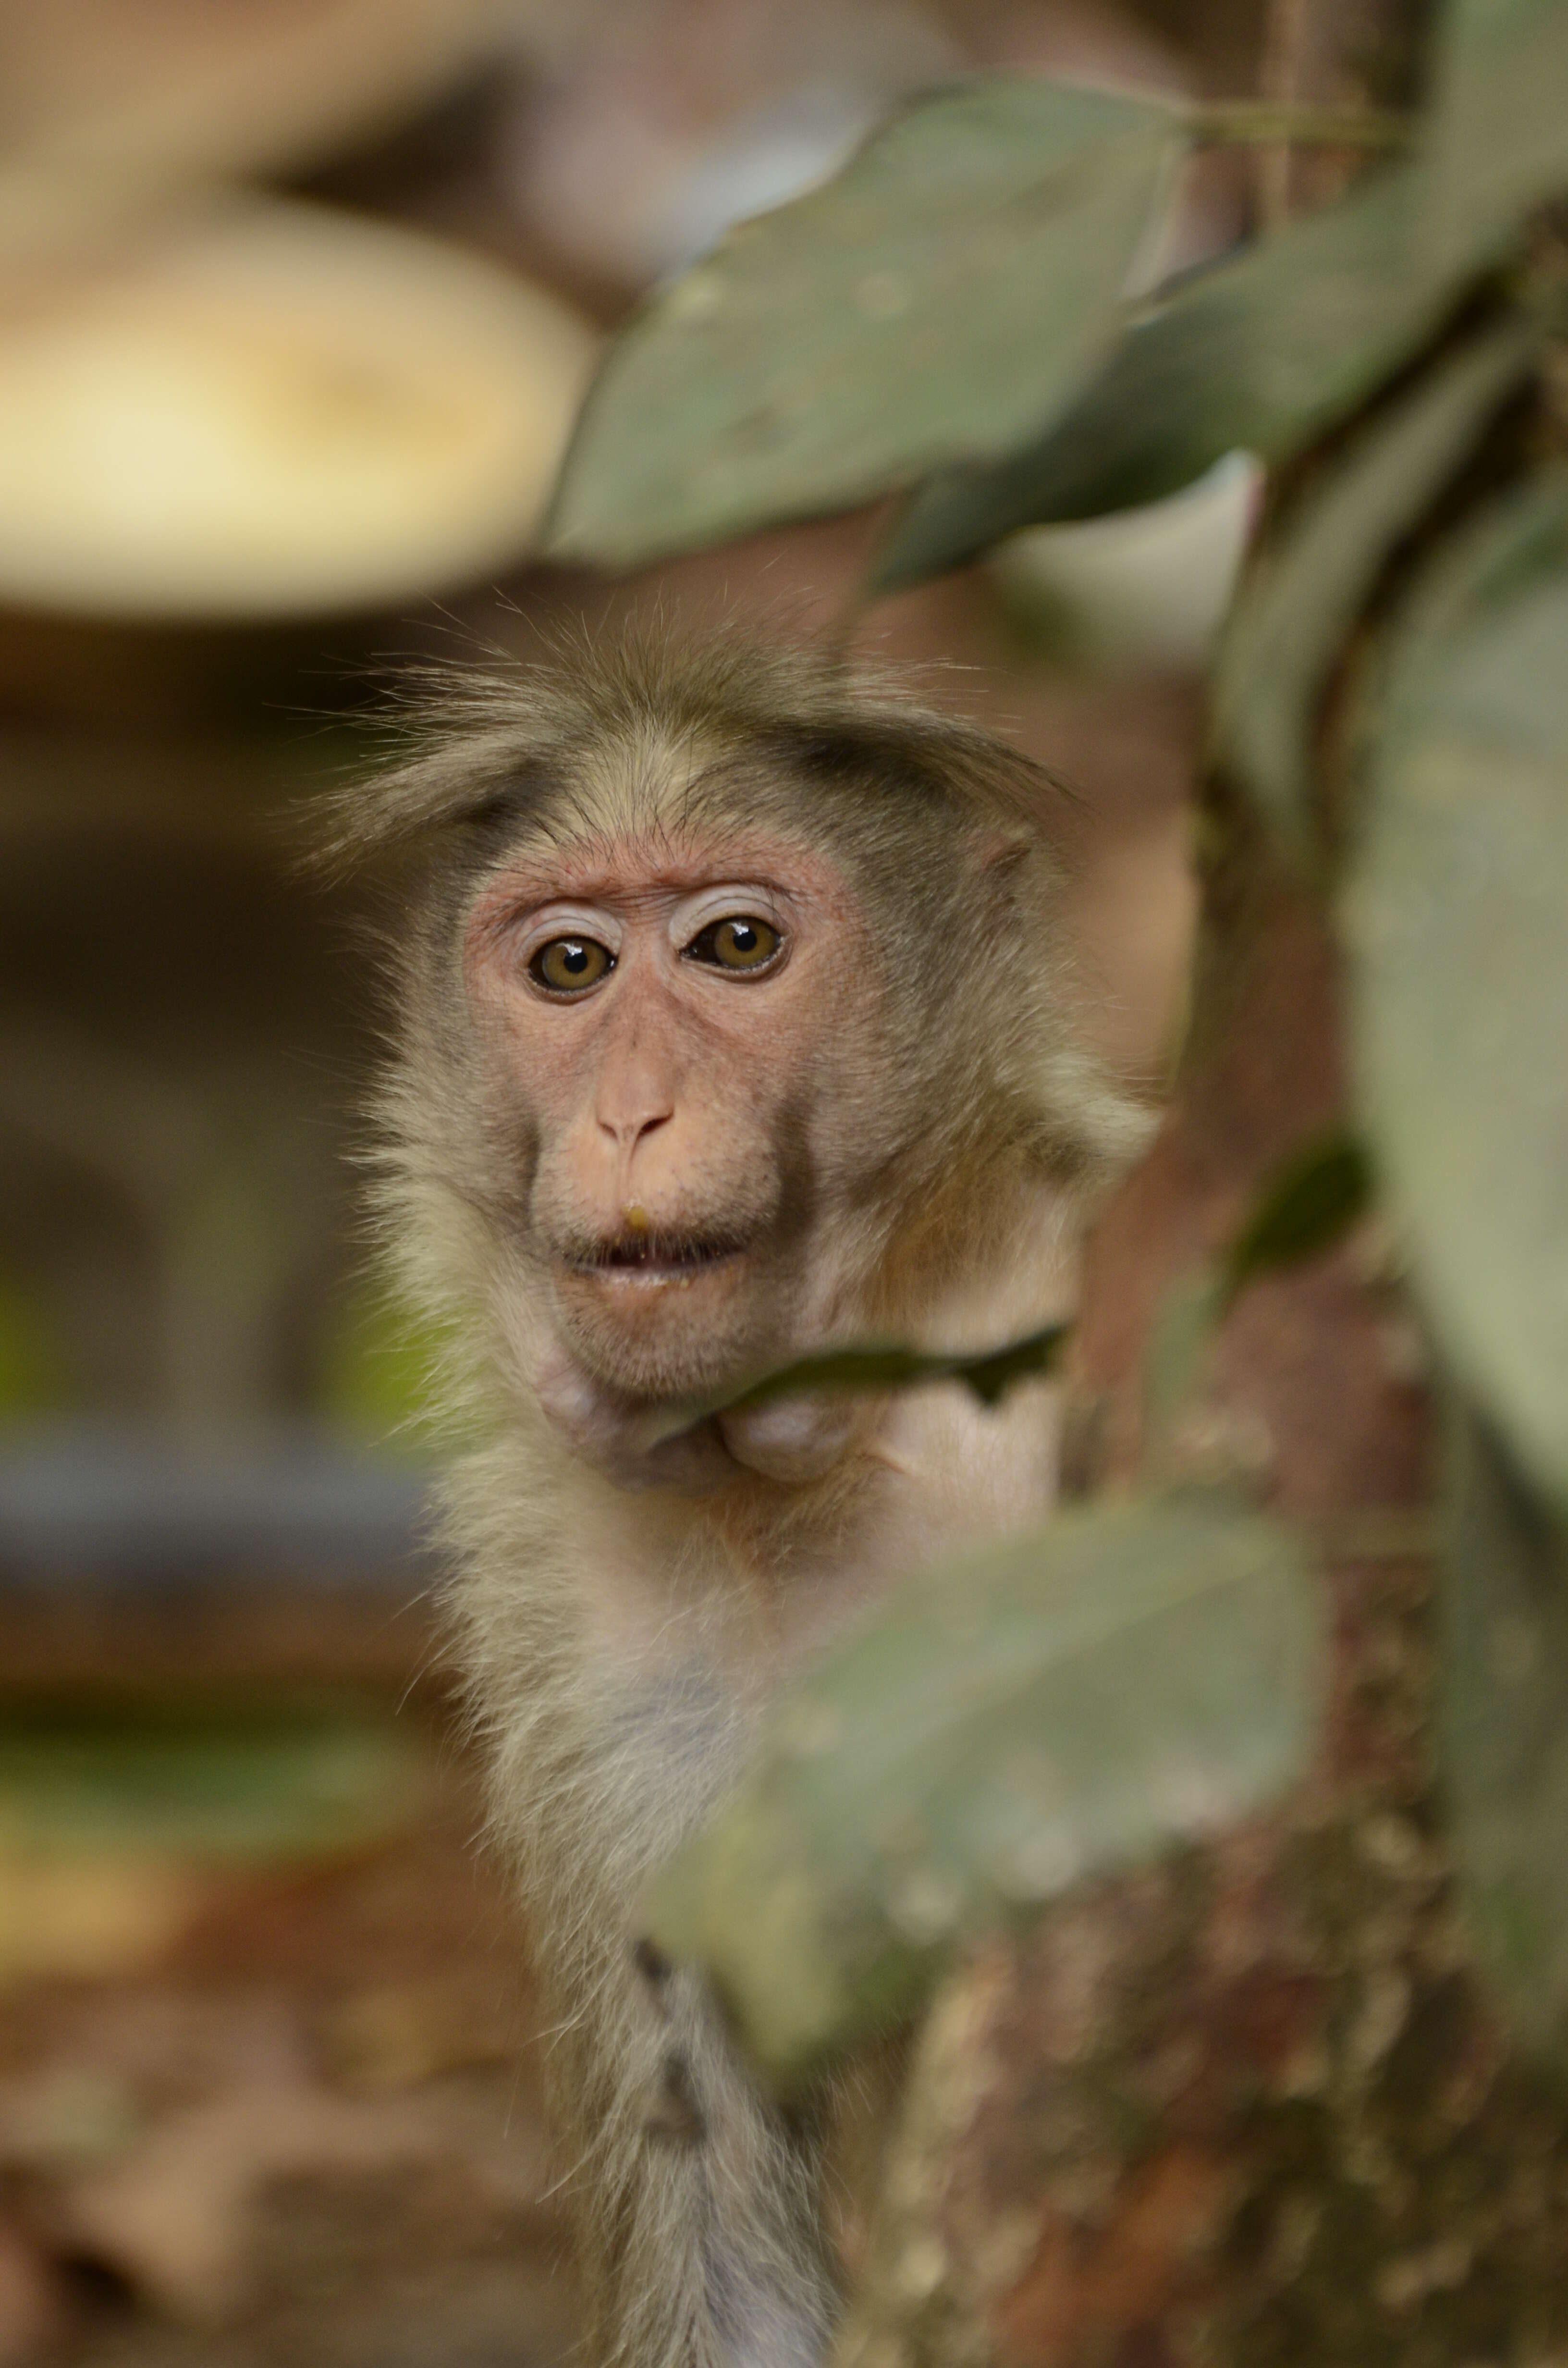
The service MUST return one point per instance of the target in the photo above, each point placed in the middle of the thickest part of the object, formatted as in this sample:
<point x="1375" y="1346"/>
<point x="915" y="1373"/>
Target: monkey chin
<point x="664" y="1327"/>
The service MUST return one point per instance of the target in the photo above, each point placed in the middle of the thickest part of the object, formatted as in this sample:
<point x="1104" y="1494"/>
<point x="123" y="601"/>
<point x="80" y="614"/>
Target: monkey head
<point x="683" y="1021"/>
<point x="731" y="1000"/>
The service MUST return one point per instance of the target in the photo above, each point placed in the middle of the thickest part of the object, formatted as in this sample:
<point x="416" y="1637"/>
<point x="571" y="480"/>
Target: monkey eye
<point x="567" y="965"/>
<point x="740" y="942"/>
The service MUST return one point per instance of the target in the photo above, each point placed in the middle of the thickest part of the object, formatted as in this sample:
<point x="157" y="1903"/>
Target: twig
<point x="1275" y="123"/>
<point x="1281" y="73"/>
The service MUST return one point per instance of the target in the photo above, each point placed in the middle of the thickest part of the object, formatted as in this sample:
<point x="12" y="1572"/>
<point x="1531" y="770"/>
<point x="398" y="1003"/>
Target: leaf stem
<point x="1244" y="122"/>
<point x="989" y="1373"/>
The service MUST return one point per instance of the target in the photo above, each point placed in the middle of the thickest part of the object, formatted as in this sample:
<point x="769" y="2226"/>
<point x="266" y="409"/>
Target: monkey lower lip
<point x="643" y="1261"/>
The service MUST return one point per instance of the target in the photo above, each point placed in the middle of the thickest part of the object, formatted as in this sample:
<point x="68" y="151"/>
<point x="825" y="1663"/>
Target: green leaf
<point x="1499" y="136"/>
<point x="1458" y="921"/>
<point x="1074" y="1701"/>
<point x="954" y="285"/>
<point x="1264" y="351"/>
<point x="1308" y="1204"/>
<point x="1290" y="627"/>
<point x="1504" y="1729"/>
<point x="990" y="1373"/>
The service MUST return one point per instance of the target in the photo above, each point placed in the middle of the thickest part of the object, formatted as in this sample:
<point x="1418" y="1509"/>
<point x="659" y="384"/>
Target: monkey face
<point x="682" y="1033"/>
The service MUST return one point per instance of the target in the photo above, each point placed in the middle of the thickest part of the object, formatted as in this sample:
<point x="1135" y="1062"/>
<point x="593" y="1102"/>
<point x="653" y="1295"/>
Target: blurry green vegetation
<point x="214" y="1783"/>
<point x="1314" y="1199"/>
<point x="949" y="321"/>
<point x="1285" y="643"/>
<point x="33" y="1380"/>
<point x="376" y="1375"/>
<point x="1460" y="923"/>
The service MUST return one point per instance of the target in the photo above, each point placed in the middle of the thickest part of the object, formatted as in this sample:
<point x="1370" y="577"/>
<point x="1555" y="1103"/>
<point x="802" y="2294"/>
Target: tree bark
<point x="1252" y="2106"/>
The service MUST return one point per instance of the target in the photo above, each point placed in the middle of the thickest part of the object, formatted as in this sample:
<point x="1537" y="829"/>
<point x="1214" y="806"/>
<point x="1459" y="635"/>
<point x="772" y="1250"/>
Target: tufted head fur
<point x="956" y="1073"/>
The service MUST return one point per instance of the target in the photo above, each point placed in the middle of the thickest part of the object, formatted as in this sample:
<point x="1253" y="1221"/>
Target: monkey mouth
<point x="653" y="1260"/>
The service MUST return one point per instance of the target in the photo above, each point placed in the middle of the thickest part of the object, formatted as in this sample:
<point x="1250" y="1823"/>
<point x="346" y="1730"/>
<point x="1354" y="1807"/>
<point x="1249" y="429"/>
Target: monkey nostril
<point x="629" y="1131"/>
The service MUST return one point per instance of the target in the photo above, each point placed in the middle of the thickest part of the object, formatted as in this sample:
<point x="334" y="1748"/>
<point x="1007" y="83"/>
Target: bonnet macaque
<point x="730" y="1027"/>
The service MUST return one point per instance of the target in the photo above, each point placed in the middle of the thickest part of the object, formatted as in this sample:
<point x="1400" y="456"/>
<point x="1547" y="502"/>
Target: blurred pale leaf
<point x="949" y="289"/>
<point x="1262" y="352"/>
<point x="1503" y="1728"/>
<point x="1499" y="137"/>
<point x="1074" y="1701"/>
<point x="1290" y="627"/>
<point x="1458" y="917"/>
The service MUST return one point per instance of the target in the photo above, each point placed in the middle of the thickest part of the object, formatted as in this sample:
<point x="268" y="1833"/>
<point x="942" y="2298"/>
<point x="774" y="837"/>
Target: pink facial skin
<point x="677" y="1106"/>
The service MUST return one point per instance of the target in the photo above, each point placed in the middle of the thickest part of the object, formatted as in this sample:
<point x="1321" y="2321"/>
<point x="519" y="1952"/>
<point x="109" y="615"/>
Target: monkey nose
<point x="626" y="1129"/>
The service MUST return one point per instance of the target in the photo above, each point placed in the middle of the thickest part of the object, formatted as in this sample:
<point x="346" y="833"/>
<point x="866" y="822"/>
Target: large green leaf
<point x="955" y="284"/>
<point x="1264" y="351"/>
<point x="1286" y="632"/>
<point x="1459" y="918"/>
<point x="1499" y="139"/>
<point x="1504" y="1729"/>
<point x="1077" y="1700"/>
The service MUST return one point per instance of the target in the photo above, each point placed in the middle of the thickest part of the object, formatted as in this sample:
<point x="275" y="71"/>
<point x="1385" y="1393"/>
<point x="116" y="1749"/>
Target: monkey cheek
<point x="793" y="1440"/>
